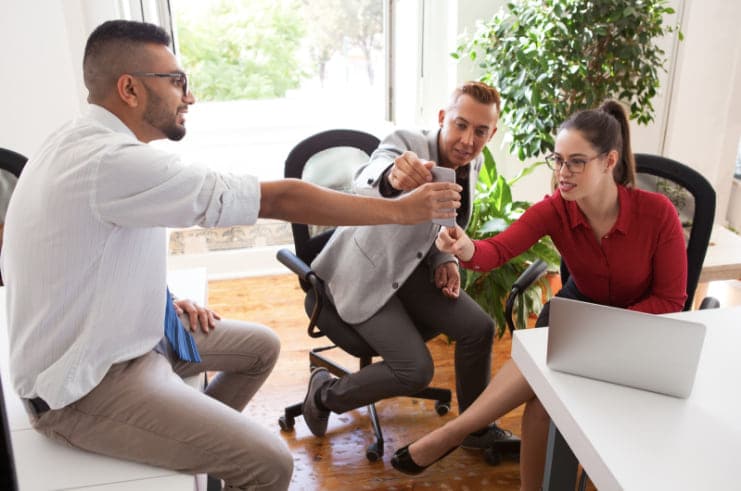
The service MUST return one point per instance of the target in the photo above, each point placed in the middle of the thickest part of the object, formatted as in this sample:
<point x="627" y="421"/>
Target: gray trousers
<point x="406" y="366"/>
<point x="143" y="411"/>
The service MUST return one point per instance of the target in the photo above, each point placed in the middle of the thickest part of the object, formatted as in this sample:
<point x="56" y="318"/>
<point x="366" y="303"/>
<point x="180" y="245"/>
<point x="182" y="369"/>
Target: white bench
<point x="42" y="464"/>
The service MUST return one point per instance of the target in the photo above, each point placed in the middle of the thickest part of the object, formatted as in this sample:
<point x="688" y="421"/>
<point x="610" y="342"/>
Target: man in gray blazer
<point x="391" y="283"/>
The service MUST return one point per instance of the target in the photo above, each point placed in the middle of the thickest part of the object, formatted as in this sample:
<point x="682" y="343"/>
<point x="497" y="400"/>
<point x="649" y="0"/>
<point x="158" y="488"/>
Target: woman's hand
<point x="455" y="241"/>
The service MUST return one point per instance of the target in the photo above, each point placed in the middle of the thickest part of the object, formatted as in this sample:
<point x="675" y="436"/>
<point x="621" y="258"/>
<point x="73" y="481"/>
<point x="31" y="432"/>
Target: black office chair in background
<point x="330" y="159"/>
<point x="11" y="165"/>
<point x="694" y="198"/>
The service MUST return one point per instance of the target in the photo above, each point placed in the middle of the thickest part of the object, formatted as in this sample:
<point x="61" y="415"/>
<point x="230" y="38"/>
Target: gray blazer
<point x="363" y="266"/>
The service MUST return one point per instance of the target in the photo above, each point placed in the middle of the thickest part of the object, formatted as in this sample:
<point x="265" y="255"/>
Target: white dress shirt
<point x="84" y="256"/>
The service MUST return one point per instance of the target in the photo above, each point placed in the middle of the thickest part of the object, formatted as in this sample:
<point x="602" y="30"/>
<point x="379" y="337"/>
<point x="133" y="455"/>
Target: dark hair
<point x="112" y="49"/>
<point x="606" y="128"/>
<point x="479" y="91"/>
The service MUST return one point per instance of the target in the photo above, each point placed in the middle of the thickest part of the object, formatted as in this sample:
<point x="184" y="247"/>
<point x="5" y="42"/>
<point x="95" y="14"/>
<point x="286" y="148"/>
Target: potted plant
<point x="550" y="58"/>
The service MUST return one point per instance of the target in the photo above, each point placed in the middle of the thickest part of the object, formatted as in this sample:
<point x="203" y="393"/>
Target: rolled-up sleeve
<point x="137" y="185"/>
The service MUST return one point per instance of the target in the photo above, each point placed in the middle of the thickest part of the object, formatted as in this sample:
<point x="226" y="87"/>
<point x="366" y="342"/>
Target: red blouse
<point x="641" y="264"/>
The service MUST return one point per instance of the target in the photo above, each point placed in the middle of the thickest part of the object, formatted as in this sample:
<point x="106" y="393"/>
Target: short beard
<point x="157" y="115"/>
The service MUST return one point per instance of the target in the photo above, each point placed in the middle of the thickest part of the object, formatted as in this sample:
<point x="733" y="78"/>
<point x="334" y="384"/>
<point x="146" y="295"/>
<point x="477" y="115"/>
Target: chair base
<point x="374" y="451"/>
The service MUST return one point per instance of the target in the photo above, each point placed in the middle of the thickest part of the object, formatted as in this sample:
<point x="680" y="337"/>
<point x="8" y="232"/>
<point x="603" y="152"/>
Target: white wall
<point x="38" y="83"/>
<point x="704" y="121"/>
<point x="41" y="48"/>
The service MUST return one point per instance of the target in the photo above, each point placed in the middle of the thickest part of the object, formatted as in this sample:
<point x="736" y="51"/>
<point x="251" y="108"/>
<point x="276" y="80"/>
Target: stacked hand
<point x="455" y="241"/>
<point x="409" y="172"/>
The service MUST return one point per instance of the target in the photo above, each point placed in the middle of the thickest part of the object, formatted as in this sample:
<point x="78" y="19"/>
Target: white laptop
<point x="644" y="351"/>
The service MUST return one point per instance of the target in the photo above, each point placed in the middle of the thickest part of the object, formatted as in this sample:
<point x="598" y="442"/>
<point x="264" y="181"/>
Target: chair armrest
<point x="292" y="262"/>
<point x="526" y="279"/>
<point x="307" y="277"/>
<point x="709" y="303"/>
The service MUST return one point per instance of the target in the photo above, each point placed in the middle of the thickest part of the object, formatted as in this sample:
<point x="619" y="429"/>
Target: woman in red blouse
<point x="624" y="247"/>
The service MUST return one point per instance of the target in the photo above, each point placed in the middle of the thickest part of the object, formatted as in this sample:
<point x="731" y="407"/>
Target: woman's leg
<point x="535" y="422"/>
<point x="507" y="390"/>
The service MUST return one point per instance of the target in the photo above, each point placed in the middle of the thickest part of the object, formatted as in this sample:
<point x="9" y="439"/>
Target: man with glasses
<point x="94" y="353"/>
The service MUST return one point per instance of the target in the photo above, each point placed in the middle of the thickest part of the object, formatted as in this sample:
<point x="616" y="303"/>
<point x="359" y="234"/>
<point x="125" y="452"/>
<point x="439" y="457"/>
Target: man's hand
<point x="199" y="316"/>
<point x="409" y="172"/>
<point x="431" y="200"/>
<point x="455" y="241"/>
<point x="448" y="279"/>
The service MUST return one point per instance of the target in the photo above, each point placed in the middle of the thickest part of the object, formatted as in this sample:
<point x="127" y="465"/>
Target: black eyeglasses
<point x="179" y="78"/>
<point x="574" y="165"/>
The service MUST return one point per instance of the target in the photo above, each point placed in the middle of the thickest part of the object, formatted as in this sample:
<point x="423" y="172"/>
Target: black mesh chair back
<point x="327" y="159"/>
<point x="694" y="199"/>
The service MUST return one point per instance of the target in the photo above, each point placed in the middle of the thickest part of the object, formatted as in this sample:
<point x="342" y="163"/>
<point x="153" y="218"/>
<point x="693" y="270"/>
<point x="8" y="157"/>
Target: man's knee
<point x="480" y="331"/>
<point x="270" y="468"/>
<point x="271" y="342"/>
<point x="278" y="469"/>
<point x="418" y="377"/>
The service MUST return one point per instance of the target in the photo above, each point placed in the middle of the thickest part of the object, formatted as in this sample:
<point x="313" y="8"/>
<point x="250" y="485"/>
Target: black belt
<point x="39" y="405"/>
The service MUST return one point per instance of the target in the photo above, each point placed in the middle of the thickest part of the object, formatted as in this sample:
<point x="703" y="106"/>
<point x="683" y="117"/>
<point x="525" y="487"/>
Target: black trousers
<point x="406" y="366"/>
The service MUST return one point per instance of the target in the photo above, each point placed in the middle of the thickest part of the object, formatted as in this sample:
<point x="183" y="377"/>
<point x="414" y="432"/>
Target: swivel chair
<point x="694" y="198"/>
<point x="329" y="159"/>
<point x="11" y="165"/>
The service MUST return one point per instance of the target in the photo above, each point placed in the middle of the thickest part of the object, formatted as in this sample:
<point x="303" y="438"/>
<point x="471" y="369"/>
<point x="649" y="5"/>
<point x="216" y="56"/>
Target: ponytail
<point x="625" y="170"/>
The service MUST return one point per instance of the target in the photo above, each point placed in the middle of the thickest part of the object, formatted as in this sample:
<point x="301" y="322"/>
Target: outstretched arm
<point x="301" y="202"/>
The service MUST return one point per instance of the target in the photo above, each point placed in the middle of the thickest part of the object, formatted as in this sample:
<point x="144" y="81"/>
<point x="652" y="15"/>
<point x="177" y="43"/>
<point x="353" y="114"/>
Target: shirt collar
<point x="622" y="224"/>
<point x="106" y="118"/>
<point x="433" y="137"/>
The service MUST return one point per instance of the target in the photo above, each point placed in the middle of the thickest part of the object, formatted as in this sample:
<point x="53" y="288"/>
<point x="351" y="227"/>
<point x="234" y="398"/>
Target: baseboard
<point x="238" y="263"/>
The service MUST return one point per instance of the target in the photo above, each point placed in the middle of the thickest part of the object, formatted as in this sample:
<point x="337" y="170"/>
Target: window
<point x="266" y="74"/>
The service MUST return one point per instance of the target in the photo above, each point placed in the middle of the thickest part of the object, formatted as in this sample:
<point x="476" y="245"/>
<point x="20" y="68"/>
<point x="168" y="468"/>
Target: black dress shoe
<point x="402" y="461"/>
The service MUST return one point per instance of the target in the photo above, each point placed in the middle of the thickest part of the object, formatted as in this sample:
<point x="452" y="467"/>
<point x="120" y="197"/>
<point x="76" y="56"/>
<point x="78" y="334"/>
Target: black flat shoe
<point x="402" y="461"/>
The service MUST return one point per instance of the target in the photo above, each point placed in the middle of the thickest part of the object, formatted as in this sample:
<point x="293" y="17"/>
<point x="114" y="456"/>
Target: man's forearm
<point x="300" y="202"/>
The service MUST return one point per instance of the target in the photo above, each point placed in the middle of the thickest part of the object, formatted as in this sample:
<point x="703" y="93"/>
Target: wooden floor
<point x="337" y="461"/>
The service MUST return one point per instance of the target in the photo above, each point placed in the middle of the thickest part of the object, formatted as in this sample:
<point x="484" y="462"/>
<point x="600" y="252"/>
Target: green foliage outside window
<point x="258" y="49"/>
<point x="241" y="49"/>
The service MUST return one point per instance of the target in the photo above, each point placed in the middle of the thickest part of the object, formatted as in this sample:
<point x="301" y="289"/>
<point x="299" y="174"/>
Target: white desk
<point x="633" y="439"/>
<point x="723" y="258"/>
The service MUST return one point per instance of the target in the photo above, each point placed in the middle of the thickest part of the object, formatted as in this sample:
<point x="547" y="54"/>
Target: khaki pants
<point x="143" y="411"/>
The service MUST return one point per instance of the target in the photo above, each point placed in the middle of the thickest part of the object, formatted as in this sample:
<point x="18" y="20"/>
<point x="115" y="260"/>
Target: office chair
<point x="8" y="479"/>
<point x="329" y="159"/>
<point x="694" y="198"/>
<point x="11" y="165"/>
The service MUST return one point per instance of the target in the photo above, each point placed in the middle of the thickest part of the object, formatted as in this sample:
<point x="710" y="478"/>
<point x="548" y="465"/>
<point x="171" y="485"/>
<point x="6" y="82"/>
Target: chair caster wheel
<point x="492" y="457"/>
<point x="286" y="424"/>
<point x="373" y="452"/>
<point x="442" y="408"/>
